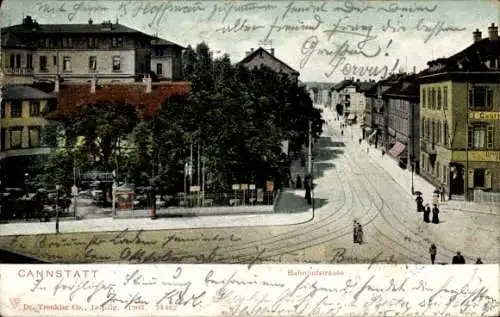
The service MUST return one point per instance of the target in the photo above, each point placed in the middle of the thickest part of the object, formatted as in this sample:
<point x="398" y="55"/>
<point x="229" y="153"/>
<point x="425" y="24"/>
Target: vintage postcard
<point x="249" y="158"/>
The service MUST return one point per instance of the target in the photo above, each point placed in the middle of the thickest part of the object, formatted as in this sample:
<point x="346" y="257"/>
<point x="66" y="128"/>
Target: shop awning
<point x="397" y="149"/>
<point x="351" y="116"/>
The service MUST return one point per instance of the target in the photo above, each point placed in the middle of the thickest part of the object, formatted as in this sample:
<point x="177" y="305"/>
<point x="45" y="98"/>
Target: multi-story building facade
<point x="33" y="52"/>
<point x="22" y="124"/>
<point x="261" y="57"/>
<point x="460" y="118"/>
<point x="403" y="122"/>
<point x="166" y="59"/>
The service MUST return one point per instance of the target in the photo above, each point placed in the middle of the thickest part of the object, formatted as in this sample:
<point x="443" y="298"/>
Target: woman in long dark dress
<point x="355" y="232"/>
<point x="360" y="234"/>
<point x="420" y="203"/>
<point x="435" y="214"/>
<point x="427" y="213"/>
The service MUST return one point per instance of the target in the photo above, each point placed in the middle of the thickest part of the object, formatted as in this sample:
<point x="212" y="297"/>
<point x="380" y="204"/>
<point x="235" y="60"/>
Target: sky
<point x="325" y="41"/>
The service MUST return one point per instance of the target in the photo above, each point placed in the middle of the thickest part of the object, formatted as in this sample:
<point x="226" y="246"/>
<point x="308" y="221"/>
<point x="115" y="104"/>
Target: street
<point x="350" y="184"/>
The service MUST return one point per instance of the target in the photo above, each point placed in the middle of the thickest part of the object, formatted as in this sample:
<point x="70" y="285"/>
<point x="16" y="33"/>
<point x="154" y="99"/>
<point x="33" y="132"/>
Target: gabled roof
<point x="253" y="54"/>
<point x="72" y="97"/>
<point x="21" y="92"/>
<point x="406" y="88"/>
<point x="472" y="58"/>
<point x="162" y="42"/>
<point x="81" y="28"/>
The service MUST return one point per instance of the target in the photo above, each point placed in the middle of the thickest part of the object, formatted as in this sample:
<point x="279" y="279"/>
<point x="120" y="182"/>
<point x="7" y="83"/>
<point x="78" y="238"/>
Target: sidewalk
<point x="403" y="177"/>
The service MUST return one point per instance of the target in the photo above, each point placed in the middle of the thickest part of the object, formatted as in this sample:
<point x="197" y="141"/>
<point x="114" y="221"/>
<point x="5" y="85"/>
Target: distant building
<point x="33" y="52"/>
<point x="403" y="121"/>
<point x="350" y="94"/>
<point x="21" y="128"/>
<point x="261" y="57"/>
<point x="460" y="119"/>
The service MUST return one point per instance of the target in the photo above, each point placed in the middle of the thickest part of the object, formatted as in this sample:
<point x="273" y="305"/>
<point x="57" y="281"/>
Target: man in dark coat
<point x="458" y="259"/>
<point x="420" y="203"/>
<point x="433" y="252"/>
<point x="435" y="214"/>
<point x="427" y="213"/>
<point x="355" y="232"/>
<point x="308" y="187"/>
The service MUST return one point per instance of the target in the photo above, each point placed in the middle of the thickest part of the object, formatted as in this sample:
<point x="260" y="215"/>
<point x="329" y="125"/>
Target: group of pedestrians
<point x="357" y="232"/>
<point x="427" y="210"/>
<point x="457" y="259"/>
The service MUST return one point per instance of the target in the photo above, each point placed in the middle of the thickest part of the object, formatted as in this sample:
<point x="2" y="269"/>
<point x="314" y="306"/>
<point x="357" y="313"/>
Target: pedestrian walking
<point x="341" y="132"/>
<point x="458" y="259"/>
<point x="479" y="261"/>
<point x="367" y="149"/>
<point x="420" y="203"/>
<point x="433" y="252"/>
<point x="427" y="213"/>
<point x="355" y="232"/>
<point x="360" y="234"/>
<point x="383" y="153"/>
<point x="359" y="140"/>
<point x="298" y="182"/>
<point x="435" y="214"/>
<point x="443" y="193"/>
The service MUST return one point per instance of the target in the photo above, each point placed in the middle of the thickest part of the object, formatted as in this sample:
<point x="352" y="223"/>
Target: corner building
<point x="460" y="120"/>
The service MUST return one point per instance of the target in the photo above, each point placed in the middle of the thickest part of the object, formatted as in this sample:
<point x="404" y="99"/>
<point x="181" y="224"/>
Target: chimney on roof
<point x="476" y="35"/>
<point x="272" y="51"/>
<point x="91" y="21"/>
<point x="56" y="85"/>
<point x="92" y="85"/>
<point x="493" y="32"/>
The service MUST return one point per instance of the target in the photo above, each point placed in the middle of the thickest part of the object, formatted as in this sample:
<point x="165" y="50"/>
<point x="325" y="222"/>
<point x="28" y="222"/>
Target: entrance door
<point x="159" y="69"/>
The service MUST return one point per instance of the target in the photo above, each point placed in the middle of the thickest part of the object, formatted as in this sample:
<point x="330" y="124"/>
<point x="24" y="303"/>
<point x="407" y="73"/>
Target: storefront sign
<point x="477" y="156"/>
<point x="485" y="115"/>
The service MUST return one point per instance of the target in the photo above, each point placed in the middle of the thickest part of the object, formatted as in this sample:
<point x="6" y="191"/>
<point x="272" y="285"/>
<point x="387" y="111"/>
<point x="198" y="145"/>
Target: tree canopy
<point x="237" y="117"/>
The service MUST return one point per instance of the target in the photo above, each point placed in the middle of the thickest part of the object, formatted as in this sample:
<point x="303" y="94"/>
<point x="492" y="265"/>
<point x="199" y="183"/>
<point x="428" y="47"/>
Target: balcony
<point x="19" y="71"/>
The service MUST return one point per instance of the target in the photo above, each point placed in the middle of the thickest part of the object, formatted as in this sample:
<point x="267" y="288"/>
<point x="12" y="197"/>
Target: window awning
<point x="397" y="149"/>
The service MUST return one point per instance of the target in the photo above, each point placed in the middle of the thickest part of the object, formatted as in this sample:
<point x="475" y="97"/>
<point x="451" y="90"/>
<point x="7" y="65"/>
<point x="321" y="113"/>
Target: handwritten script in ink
<point x="274" y="291"/>
<point x="346" y="38"/>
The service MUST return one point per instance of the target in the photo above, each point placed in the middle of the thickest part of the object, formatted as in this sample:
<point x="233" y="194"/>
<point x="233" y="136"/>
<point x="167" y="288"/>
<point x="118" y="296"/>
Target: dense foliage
<point x="236" y="117"/>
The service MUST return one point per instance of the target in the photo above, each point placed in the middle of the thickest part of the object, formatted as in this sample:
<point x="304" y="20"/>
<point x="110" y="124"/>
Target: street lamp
<point x="412" y="161"/>
<point x="57" y="209"/>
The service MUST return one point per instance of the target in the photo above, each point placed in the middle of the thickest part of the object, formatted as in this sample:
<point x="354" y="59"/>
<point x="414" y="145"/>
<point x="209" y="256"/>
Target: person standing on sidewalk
<point x="360" y="234"/>
<point x="355" y="232"/>
<point x="443" y="193"/>
<point x="433" y="252"/>
<point x="435" y="214"/>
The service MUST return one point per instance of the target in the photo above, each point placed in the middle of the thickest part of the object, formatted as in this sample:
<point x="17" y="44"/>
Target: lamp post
<point x="57" y="209"/>
<point x="113" y="208"/>
<point x="412" y="161"/>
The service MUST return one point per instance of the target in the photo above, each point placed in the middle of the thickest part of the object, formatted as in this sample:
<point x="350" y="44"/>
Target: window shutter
<point x="487" y="179"/>
<point x="471" y="178"/>
<point x="471" y="98"/>
<point x="489" y="98"/>
<point x="490" y="135"/>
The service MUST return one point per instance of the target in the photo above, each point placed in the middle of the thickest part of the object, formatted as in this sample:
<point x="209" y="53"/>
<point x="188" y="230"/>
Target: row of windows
<point x="15" y="137"/>
<point x="480" y="98"/>
<point x="16" y="109"/>
<point x="115" y="63"/>
<point x="92" y="42"/>
<point x="480" y="136"/>
<point x="399" y="124"/>
<point x="440" y="171"/>
<point x="435" y="98"/>
<point x="435" y="131"/>
<point x="15" y="62"/>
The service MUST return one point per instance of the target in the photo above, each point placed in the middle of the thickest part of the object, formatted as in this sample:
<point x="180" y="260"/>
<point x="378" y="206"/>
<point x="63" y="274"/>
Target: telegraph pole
<point x="309" y="151"/>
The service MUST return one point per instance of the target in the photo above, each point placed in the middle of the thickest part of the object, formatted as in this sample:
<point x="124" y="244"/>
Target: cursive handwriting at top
<point x="297" y="27"/>
<point x="72" y="10"/>
<point x="229" y="8"/>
